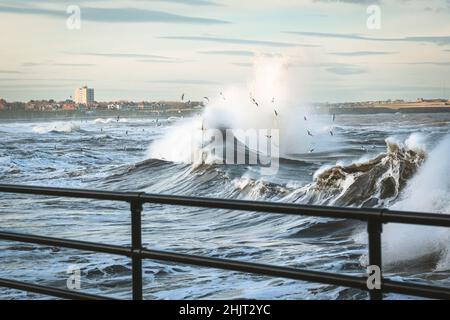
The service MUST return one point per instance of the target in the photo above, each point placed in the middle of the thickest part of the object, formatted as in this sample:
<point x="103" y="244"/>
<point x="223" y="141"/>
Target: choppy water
<point x="110" y="155"/>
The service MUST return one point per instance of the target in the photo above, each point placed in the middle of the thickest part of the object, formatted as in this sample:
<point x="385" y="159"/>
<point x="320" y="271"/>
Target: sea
<point x="396" y="161"/>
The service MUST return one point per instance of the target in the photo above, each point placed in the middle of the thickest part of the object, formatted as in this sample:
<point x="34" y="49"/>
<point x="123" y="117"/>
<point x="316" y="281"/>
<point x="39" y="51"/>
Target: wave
<point x="372" y="183"/>
<point x="427" y="191"/>
<point x="59" y="127"/>
<point x="266" y="102"/>
<point x="109" y="120"/>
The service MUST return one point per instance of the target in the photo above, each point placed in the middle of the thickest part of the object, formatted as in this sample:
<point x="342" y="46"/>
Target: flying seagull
<point x="331" y="133"/>
<point x="182" y="97"/>
<point x="304" y="117"/>
<point x="311" y="150"/>
<point x="276" y="113"/>
<point x="309" y="133"/>
<point x="255" y="102"/>
<point x="221" y="94"/>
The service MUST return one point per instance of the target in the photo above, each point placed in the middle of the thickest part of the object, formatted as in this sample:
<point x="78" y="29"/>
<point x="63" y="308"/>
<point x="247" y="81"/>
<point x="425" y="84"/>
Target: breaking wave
<point x="59" y="127"/>
<point x="109" y="120"/>
<point x="373" y="183"/>
<point x="266" y="102"/>
<point x="427" y="191"/>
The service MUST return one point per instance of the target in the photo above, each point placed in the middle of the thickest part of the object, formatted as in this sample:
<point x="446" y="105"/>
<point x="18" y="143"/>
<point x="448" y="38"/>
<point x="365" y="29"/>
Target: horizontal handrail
<point x="54" y="292"/>
<point x="364" y="214"/>
<point x="70" y="244"/>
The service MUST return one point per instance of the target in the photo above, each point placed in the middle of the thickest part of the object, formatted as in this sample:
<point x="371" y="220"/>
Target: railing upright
<point x="374" y="229"/>
<point x="136" y="247"/>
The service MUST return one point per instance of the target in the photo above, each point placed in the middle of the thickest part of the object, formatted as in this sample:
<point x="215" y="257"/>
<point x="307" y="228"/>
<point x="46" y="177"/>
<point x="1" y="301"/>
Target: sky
<point x="337" y="50"/>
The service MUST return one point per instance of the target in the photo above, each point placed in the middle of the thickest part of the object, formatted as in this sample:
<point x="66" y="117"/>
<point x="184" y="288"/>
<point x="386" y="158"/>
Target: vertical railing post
<point x="374" y="229"/>
<point x="136" y="247"/>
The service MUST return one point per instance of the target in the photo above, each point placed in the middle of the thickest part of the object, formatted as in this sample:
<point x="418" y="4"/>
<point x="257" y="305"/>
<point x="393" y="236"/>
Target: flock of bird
<point x="257" y="104"/>
<point x="253" y="101"/>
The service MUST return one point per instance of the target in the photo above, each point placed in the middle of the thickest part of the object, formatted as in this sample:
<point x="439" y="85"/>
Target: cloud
<point x="184" y="2"/>
<point x="159" y="61"/>
<point x="230" y="53"/>
<point x="46" y="79"/>
<point x="185" y="81"/>
<point x="192" y="2"/>
<point x="73" y="64"/>
<point x="129" y="15"/>
<point x="361" y="2"/>
<point x="36" y="64"/>
<point x="434" y="63"/>
<point x="10" y="72"/>
<point x="139" y="57"/>
<point x="346" y="70"/>
<point x="33" y="87"/>
<point x="31" y="64"/>
<point x="361" y="53"/>
<point x="122" y="55"/>
<point x="441" y="40"/>
<point x="232" y="41"/>
<point x="143" y="56"/>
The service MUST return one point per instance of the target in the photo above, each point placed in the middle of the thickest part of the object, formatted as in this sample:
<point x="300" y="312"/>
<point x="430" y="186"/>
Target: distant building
<point x="84" y="96"/>
<point x="69" y="106"/>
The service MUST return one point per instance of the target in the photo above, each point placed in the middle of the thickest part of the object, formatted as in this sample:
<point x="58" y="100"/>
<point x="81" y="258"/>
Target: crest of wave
<point x="57" y="127"/>
<point x="428" y="191"/>
<point x="370" y="183"/>
<point x="280" y="107"/>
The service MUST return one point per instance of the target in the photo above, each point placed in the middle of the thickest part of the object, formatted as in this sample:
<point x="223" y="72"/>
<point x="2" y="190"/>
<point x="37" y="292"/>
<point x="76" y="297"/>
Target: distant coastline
<point x="67" y="110"/>
<point x="435" y="106"/>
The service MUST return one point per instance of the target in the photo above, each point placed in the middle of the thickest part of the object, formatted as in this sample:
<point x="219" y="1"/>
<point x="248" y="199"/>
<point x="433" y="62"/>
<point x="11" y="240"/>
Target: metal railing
<point x="374" y="218"/>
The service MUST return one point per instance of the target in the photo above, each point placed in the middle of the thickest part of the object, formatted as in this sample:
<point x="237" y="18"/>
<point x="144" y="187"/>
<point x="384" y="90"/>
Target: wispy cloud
<point x="233" y="41"/>
<point x="110" y="15"/>
<point x="31" y="64"/>
<point x="361" y="53"/>
<point x="121" y="55"/>
<point x="441" y="40"/>
<point x="184" y="2"/>
<point x="37" y="64"/>
<point x="9" y="72"/>
<point x="159" y="61"/>
<point x="73" y="65"/>
<point x="433" y="63"/>
<point x="346" y="70"/>
<point x="185" y="81"/>
<point x="230" y="53"/>
<point x="139" y="57"/>
<point x="192" y="2"/>
<point x="360" y="2"/>
<point x="71" y="80"/>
